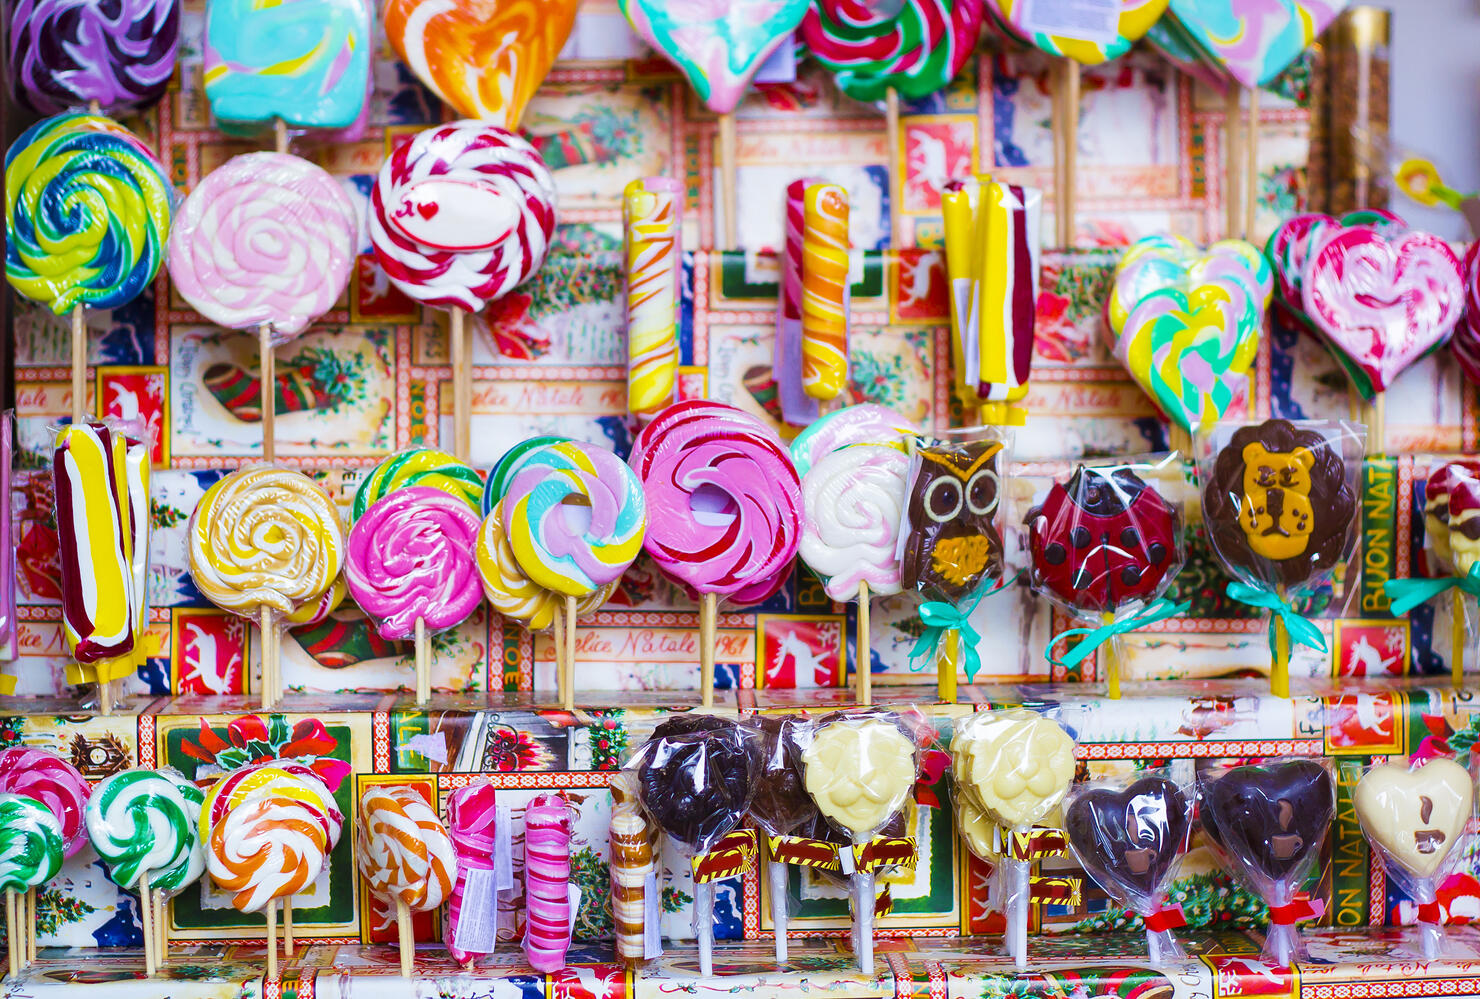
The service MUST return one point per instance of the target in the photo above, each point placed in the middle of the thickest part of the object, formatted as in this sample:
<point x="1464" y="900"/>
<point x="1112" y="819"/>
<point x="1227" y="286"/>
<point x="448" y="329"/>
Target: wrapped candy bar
<point x="1280" y="506"/>
<point x="1269" y="822"/>
<point x="1105" y="545"/>
<point x="696" y="777"/>
<point x="479" y="828"/>
<point x="1129" y="835"/>
<point x="780" y="804"/>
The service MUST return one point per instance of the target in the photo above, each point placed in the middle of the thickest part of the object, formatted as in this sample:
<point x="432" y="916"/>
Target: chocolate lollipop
<point x="780" y="805"/>
<point x="953" y="543"/>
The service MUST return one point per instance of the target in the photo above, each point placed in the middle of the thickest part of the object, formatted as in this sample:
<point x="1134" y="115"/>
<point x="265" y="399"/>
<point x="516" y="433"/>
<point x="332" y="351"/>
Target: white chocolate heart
<point x="1416" y="816"/>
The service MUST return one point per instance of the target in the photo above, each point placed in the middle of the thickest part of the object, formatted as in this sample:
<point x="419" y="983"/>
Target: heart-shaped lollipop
<point x="1087" y="37"/>
<point x="718" y="46"/>
<point x="1129" y="838"/>
<point x="1289" y="246"/>
<point x="1273" y="816"/>
<point x="1255" y="42"/>
<point x="1381" y="301"/>
<point x="484" y="57"/>
<point x="1415" y="816"/>
<point x="1167" y="261"/>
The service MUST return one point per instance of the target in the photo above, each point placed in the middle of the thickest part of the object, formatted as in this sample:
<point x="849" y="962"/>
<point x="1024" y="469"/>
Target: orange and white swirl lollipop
<point x="406" y="856"/>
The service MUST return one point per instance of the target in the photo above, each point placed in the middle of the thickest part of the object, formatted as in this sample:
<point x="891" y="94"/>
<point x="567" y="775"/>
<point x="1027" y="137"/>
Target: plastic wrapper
<point x="86" y="183"/>
<point x="62" y="54"/>
<point x="1185" y="322"/>
<point x="1466" y="342"/>
<point x="950" y="543"/>
<point x="30" y="844"/>
<point x="860" y="769"/>
<point x="797" y="407"/>
<point x="854" y="501"/>
<point x="1290" y="246"/>
<point x="480" y="829"/>
<point x="1415" y="817"/>
<point x="696" y="778"/>
<point x="462" y="215"/>
<point x="913" y="49"/>
<point x="1269" y="822"/>
<point x="1261" y="52"/>
<point x="51" y="780"/>
<point x="265" y="242"/>
<point x="327" y="42"/>
<point x="780" y="805"/>
<point x="1012" y="770"/>
<point x="1129" y="835"/>
<point x="1105" y="545"/>
<point x="634" y="875"/>
<point x="1280" y="508"/>
<point x="145" y="827"/>
<point x="551" y="900"/>
<point x="826" y="297"/>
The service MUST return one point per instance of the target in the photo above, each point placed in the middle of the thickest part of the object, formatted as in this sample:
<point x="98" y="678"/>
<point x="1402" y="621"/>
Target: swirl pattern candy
<point x="30" y="843"/>
<point x="484" y="57"/>
<point x="854" y="501"/>
<point x="510" y="591"/>
<point x="87" y="213"/>
<point x="632" y="869"/>
<point x="653" y="211"/>
<point x="865" y="423"/>
<point x="306" y="62"/>
<point x="1155" y="263"/>
<point x="51" y="780"/>
<point x="547" y="823"/>
<point x="95" y="533"/>
<point x="690" y="451"/>
<point x="267" y="239"/>
<point x="265" y="537"/>
<point x="552" y="551"/>
<point x="148" y="821"/>
<point x="1466" y="341"/>
<point x="1255" y="43"/>
<point x="916" y="47"/>
<point x="410" y="558"/>
<point x="471" y="816"/>
<point x="268" y="829"/>
<point x="462" y="214"/>
<point x="404" y="850"/>
<point x="317" y="611"/>
<point x="419" y="466"/>
<point x="1109" y="37"/>
<point x="825" y="291"/>
<point x="69" y="53"/>
<point x="511" y="461"/>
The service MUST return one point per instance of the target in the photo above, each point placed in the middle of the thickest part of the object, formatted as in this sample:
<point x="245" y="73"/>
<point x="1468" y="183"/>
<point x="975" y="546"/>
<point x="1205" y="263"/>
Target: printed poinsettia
<point x="249" y="740"/>
<point x="509" y="749"/>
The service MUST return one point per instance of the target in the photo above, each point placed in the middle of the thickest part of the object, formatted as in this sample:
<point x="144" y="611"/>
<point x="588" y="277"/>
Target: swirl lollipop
<point x="411" y="568"/>
<point x="264" y="542"/>
<point x="31" y="848"/>
<point x="144" y="824"/>
<point x="419" y="466"/>
<point x="406" y="856"/>
<point x="724" y="505"/>
<point x="459" y="217"/>
<point x="46" y="778"/>
<point x="70" y="53"/>
<point x="87" y="214"/>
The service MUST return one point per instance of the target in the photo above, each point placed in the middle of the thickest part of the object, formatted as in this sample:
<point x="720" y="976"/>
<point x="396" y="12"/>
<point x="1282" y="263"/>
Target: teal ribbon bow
<point x="1300" y="629"/>
<point x="1096" y="637"/>
<point x="940" y="617"/>
<point x="1407" y="594"/>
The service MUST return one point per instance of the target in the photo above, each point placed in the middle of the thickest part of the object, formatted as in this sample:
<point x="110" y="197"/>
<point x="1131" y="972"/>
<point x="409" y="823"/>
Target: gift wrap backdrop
<point x="369" y="379"/>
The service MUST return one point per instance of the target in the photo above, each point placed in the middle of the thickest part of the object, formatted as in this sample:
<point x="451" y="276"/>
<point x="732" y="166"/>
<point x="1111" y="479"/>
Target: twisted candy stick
<point x="510" y="591"/>
<point x="547" y="822"/>
<point x="70" y="53"/>
<point x="265" y="538"/>
<point x="87" y="213"/>
<point x="136" y="462"/>
<point x="148" y="821"/>
<point x="462" y="214"/>
<point x="267" y="239"/>
<point x="471" y="813"/>
<point x="411" y="557"/>
<point x="419" y="466"/>
<point x="653" y="213"/>
<point x="915" y="47"/>
<point x="825" y="291"/>
<point x="632" y="867"/>
<point x="404" y="851"/>
<point x="854" y="501"/>
<point x="31" y="845"/>
<point x="51" y="780"/>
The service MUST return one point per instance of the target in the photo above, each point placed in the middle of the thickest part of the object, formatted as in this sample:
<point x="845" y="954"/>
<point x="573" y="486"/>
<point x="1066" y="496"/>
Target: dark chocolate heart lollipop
<point x="1129" y="839"/>
<point x="697" y="783"/>
<point x="1274" y="816"/>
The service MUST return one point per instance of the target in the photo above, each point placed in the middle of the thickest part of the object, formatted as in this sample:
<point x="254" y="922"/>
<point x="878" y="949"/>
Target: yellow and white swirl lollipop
<point x="510" y="591"/>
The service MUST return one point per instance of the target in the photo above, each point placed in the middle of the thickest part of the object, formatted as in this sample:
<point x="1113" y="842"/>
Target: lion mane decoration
<point x="1278" y="505"/>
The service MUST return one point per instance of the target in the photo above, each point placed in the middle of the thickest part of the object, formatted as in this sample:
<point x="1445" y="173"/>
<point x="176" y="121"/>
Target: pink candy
<point x="1466" y="342"/>
<point x="411" y="557"/>
<point x="547" y="881"/>
<point x="51" y="780"/>
<point x="724" y="501"/>
<point x="471" y="812"/>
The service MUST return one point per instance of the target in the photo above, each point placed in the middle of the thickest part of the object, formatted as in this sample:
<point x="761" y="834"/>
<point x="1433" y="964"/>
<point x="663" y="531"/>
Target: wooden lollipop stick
<point x="421" y="660"/>
<point x="146" y="919"/>
<point x="461" y="416"/>
<point x="288" y="926"/>
<point x="896" y="169"/>
<point x="729" y="178"/>
<point x="1230" y="161"/>
<point x="33" y="923"/>
<point x="707" y="611"/>
<point x="12" y="935"/>
<point x="946" y="658"/>
<point x="280" y="134"/>
<point x="79" y="364"/>
<point x="569" y="683"/>
<point x="272" y="962"/>
<point x="1060" y="156"/>
<point x="557" y="638"/>
<point x="1457" y="636"/>
<point x="403" y="936"/>
<point x="268" y="369"/>
<point x="1112" y="660"/>
<point x="264" y="628"/>
<point x="1251" y="165"/>
<point x="161" y="912"/>
<point x="1279" y="677"/>
<point x="864" y="649"/>
<point x="1071" y="147"/>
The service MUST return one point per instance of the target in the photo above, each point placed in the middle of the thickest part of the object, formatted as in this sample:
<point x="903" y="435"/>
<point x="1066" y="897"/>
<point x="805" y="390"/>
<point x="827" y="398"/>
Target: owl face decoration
<point x="953" y="543"/>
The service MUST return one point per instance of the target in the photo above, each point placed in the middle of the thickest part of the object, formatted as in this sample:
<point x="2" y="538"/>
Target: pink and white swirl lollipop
<point x="547" y="825"/>
<point x="46" y="777"/>
<point x="266" y="240"/>
<point x="412" y="568"/>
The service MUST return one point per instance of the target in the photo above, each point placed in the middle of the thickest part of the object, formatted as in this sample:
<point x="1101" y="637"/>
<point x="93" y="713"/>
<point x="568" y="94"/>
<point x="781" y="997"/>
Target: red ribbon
<point x="1430" y="912"/>
<point x="1297" y="911"/>
<point x="1162" y="920"/>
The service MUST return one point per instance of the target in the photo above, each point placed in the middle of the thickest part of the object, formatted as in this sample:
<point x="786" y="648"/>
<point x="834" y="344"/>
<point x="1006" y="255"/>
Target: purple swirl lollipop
<point x="65" y="54"/>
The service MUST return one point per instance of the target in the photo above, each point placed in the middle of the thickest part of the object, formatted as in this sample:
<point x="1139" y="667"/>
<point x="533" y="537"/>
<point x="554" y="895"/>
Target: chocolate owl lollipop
<point x="1270" y="821"/>
<point x="1130" y="836"/>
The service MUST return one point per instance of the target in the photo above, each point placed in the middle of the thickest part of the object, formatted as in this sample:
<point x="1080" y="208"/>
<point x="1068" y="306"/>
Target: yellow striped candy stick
<point x="136" y="463"/>
<point x="652" y="210"/>
<point x="959" y="207"/>
<point x="1008" y="222"/>
<point x="825" y="291"/>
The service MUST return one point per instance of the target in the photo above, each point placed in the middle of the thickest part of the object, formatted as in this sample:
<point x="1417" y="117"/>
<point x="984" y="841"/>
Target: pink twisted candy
<point x="1466" y="341"/>
<point x="55" y="783"/>
<point x="471" y="812"/>
<point x="411" y="556"/>
<point x="266" y="239"/>
<point x="702" y="454"/>
<point x="462" y="214"/>
<point x="547" y="881"/>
